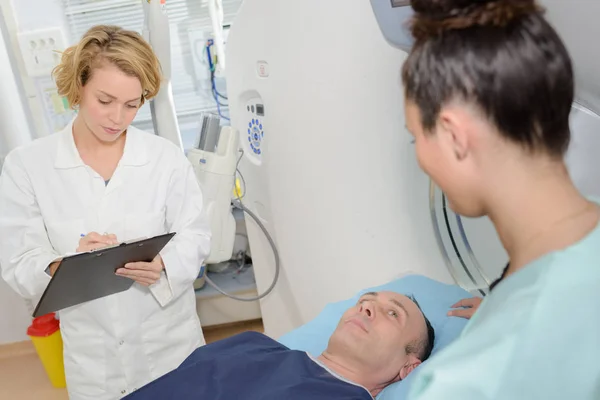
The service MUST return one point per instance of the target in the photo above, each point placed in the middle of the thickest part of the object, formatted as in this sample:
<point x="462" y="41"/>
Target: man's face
<point x="377" y="330"/>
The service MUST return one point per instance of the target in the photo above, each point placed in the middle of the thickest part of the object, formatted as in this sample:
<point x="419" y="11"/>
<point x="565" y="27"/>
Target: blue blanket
<point x="249" y="366"/>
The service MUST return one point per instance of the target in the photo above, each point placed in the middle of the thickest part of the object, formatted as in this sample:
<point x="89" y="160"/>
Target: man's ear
<point x="454" y="130"/>
<point x="412" y="363"/>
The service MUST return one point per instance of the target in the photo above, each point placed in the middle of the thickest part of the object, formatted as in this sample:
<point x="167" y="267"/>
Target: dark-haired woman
<point x="489" y="88"/>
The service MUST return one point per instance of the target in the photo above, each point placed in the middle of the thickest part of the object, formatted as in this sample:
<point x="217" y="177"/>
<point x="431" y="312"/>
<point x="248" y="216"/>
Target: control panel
<point x="254" y="128"/>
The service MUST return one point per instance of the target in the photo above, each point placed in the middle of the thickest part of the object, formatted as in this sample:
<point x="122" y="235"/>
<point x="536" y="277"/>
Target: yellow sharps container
<point x="45" y="335"/>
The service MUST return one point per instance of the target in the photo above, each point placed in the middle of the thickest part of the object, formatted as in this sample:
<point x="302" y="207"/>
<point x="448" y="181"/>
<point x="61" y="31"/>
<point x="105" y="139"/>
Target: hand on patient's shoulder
<point x="95" y="241"/>
<point x="465" y="308"/>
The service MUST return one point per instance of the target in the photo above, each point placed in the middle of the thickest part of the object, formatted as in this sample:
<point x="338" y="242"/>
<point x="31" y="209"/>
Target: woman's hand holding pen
<point x="95" y="241"/>
<point x="89" y="242"/>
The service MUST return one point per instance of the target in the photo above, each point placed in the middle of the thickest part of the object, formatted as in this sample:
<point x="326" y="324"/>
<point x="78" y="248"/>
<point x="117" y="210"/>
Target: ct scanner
<point x="315" y="93"/>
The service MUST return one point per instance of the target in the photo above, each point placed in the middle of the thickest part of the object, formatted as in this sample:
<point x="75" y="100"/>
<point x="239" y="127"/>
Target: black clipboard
<point x="91" y="275"/>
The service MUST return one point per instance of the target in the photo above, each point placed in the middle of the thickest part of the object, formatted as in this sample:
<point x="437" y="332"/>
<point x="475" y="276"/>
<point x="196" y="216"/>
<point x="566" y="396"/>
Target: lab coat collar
<point x="67" y="156"/>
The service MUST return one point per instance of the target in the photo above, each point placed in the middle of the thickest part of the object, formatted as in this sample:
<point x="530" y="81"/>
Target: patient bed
<point x="219" y="359"/>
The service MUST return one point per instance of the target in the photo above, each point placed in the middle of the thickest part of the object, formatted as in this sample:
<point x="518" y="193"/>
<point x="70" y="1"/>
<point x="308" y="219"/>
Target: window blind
<point x="189" y="22"/>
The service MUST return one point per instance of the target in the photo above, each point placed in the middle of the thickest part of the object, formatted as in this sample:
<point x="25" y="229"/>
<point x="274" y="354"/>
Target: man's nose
<point x="368" y="309"/>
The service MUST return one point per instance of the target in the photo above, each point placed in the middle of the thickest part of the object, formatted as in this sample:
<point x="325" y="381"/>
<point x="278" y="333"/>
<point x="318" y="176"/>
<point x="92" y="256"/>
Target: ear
<point x="412" y="363"/>
<point x="452" y="126"/>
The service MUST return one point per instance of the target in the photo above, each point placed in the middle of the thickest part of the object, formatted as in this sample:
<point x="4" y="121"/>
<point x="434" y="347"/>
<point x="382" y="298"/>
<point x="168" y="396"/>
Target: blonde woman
<point x="102" y="181"/>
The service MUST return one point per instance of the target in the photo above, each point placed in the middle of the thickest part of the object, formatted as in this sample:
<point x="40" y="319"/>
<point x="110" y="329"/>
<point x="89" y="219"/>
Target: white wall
<point x="14" y="130"/>
<point x="14" y="316"/>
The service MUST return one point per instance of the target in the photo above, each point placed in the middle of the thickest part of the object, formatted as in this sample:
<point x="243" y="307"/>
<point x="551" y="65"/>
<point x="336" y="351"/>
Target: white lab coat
<point x="49" y="197"/>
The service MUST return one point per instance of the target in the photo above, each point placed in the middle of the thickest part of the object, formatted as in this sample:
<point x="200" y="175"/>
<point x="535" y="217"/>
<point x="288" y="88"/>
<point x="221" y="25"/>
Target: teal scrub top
<point x="536" y="336"/>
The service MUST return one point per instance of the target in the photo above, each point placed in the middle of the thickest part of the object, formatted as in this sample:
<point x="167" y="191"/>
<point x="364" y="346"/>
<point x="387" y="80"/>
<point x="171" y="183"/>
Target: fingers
<point x="143" y="273"/>
<point x="470" y="302"/>
<point x="466" y="313"/>
<point x="95" y="246"/>
<point x="465" y="308"/>
<point x="144" y="266"/>
<point x="95" y="241"/>
<point x="95" y="237"/>
<point x="91" y="247"/>
<point x="142" y="277"/>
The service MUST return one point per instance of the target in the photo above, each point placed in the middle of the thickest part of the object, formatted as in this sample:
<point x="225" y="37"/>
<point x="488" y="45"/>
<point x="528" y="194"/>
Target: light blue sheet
<point x="435" y="299"/>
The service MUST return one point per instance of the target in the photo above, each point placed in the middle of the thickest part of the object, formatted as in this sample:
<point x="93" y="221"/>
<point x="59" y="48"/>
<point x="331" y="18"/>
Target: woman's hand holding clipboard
<point x="144" y="273"/>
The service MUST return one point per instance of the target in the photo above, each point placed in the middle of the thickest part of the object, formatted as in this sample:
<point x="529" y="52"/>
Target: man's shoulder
<point x="242" y="343"/>
<point x="253" y="338"/>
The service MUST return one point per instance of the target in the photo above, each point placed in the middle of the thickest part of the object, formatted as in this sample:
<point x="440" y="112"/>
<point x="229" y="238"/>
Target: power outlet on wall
<point x="41" y="50"/>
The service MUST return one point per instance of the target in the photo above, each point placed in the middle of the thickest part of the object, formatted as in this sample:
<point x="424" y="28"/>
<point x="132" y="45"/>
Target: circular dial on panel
<point x="255" y="135"/>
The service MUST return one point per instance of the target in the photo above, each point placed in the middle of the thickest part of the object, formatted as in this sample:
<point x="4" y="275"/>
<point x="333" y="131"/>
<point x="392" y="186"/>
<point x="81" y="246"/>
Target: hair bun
<point x="434" y="17"/>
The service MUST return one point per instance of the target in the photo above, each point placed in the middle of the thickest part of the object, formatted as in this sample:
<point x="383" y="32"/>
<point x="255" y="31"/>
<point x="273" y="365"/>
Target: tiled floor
<point x="22" y="376"/>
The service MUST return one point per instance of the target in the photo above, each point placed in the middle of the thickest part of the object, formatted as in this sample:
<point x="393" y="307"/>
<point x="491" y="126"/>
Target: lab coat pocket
<point x="142" y="225"/>
<point x="65" y="235"/>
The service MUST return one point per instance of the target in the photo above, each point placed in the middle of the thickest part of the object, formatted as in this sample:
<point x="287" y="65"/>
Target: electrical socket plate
<point x="41" y="50"/>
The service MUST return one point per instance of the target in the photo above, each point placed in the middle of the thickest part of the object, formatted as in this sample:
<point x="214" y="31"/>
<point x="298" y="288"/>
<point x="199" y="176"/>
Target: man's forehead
<point x="396" y="298"/>
<point x="387" y="294"/>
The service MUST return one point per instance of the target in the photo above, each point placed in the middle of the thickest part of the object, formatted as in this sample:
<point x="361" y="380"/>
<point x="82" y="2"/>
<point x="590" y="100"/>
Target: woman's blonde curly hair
<point x="125" y="49"/>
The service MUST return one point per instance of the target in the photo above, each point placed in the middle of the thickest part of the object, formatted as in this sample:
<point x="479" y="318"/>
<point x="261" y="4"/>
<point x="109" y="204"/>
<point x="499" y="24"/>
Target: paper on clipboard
<point x="66" y="255"/>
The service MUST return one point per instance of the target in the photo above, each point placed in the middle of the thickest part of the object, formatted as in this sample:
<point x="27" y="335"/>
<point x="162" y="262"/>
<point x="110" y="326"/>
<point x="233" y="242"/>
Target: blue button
<point x="248" y="131"/>
<point x="262" y="134"/>
<point x="249" y="139"/>
<point x="258" y="151"/>
<point x="253" y="121"/>
<point x="249" y="124"/>
<point x="260" y="126"/>
<point x="255" y="136"/>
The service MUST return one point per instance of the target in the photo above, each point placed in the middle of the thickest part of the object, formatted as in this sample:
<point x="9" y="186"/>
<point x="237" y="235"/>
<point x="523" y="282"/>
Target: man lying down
<point x="377" y="342"/>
